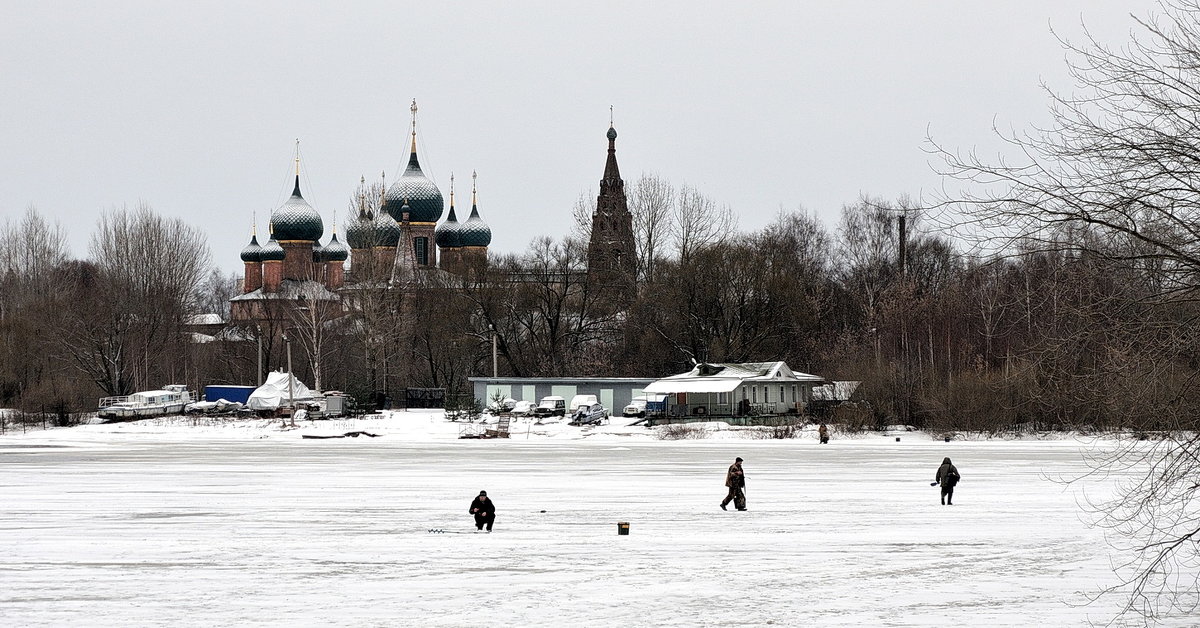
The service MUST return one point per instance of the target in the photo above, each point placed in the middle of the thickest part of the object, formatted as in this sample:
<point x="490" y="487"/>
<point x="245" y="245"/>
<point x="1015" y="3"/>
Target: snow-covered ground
<point x="200" y="522"/>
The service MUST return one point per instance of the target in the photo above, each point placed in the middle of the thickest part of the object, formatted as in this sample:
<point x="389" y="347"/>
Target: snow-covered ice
<point x="180" y="522"/>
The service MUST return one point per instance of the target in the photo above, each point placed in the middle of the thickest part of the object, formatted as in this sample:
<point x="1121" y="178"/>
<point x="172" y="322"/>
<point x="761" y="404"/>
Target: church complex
<point x="402" y="234"/>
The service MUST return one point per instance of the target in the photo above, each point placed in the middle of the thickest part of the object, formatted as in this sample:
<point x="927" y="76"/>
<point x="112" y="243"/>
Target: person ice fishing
<point x="947" y="476"/>
<point x="823" y="434"/>
<point x="484" y="511"/>
<point x="735" y="479"/>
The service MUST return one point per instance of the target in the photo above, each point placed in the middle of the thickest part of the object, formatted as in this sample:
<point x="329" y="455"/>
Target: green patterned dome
<point x="272" y="252"/>
<point x="448" y="235"/>
<point x="360" y="232"/>
<point x="387" y="231"/>
<point x="296" y="219"/>
<point x="425" y="203"/>
<point x="475" y="232"/>
<point x="334" y="251"/>
<point x="371" y="230"/>
<point x="252" y="252"/>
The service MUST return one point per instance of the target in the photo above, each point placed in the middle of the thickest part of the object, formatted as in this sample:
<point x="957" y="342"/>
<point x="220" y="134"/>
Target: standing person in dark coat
<point x="823" y="433"/>
<point x="484" y="511"/>
<point x="735" y="479"/>
<point x="947" y="476"/>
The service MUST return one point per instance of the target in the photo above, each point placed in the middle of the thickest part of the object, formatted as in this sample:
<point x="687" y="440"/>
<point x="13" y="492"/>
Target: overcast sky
<point x="195" y="107"/>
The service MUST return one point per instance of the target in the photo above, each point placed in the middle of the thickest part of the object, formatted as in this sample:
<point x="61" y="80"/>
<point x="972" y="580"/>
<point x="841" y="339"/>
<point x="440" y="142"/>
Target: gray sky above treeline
<point x="195" y="107"/>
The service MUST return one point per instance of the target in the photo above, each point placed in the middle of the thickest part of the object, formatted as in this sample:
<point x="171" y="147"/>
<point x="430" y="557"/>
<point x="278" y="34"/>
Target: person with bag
<point x="948" y="477"/>
<point x="735" y="479"/>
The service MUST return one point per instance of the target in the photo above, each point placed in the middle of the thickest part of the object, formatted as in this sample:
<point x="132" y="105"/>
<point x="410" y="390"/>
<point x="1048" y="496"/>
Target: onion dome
<point x="360" y="233"/>
<point x="334" y="251"/>
<point x="271" y="251"/>
<point x="447" y="234"/>
<point x="387" y="231"/>
<point x="424" y="199"/>
<point x="252" y="252"/>
<point x="296" y="219"/>
<point x="475" y="232"/>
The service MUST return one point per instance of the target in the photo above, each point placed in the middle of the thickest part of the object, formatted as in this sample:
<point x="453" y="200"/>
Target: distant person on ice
<point x="823" y="433"/>
<point x="484" y="511"/>
<point x="735" y="479"/>
<point x="947" y="476"/>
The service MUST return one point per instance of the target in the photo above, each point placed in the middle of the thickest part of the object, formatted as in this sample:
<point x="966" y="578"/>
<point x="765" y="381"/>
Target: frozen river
<point x="124" y="529"/>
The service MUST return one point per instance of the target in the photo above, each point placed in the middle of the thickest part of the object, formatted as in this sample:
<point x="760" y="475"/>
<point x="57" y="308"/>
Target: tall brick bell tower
<point x="612" y="258"/>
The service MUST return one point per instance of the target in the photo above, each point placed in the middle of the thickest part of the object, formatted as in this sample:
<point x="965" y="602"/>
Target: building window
<point x="794" y="398"/>
<point x="421" y="250"/>
<point x="721" y="398"/>
<point x="781" y="398"/>
<point x="754" y="394"/>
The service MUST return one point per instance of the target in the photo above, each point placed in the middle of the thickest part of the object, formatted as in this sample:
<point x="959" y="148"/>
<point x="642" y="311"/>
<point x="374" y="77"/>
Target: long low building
<point x="734" y="391"/>
<point x="613" y="392"/>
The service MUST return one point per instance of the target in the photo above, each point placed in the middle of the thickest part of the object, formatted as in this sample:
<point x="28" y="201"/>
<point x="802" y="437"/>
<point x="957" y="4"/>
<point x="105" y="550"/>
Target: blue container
<point x="240" y="394"/>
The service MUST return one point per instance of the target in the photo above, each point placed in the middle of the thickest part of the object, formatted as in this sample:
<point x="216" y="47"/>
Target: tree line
<point x="1063" y="332"/>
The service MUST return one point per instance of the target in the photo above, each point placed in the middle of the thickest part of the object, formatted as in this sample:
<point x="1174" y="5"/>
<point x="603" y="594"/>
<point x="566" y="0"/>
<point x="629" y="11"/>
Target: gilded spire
<point x="413" y="109"/>
<point x="474" y="175"/>
<point x="296" y="190"/>
<point x="451" y="190"/>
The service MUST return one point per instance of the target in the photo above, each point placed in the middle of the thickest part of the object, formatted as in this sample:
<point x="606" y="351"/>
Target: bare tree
<point x="32" y="376"/>
<point x="312" y="319"/>
<point x="581" y="216"/>
<point x="128" y="303"/>
<point x="652" y="203"/>
<point x="699" y="222"/>
<point x="216" y="291"/>
<point x="1113" y="184"/>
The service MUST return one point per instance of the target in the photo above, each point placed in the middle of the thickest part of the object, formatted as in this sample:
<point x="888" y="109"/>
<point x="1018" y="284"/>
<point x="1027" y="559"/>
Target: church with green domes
<point x="388" y="244"/>
<point x="393" y="238"/>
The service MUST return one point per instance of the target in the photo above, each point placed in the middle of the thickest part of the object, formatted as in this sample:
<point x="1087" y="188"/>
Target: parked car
<point x="522" y="408"/>
<point x="594" y="414"/>
<point x="637" y="406"/>
<point x="551" y="406"/>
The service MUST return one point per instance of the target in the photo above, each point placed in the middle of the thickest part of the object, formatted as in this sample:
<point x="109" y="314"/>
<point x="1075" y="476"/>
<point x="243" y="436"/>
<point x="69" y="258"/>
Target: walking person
<point x="823" y="434"/>
<point x="484" y="511"/>
<point x="947" y="476"/>
<point x="735" y="479"/>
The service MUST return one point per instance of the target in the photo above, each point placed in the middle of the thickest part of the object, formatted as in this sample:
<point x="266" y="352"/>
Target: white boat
<point x="170" y="400"/>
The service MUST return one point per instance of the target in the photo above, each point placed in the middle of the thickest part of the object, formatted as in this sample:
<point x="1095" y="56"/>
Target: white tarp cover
<point x="689" y="385"/>
<point x="274" y="392"/>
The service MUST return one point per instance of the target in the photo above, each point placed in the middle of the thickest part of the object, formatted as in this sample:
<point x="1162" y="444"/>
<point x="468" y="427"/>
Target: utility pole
<point x="291" y="391"/>
<point x="495" y="363"/>
<point x="260" y="356"/>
